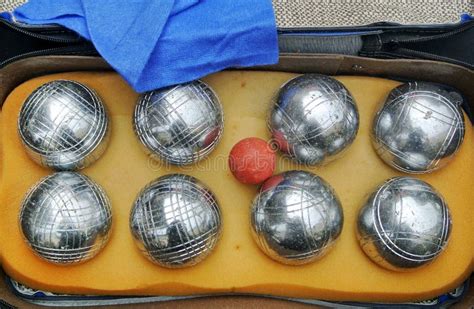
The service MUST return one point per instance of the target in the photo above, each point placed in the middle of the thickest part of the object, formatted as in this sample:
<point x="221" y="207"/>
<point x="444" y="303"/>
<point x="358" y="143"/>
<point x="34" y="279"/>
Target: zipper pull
<point x="391" y="45"/>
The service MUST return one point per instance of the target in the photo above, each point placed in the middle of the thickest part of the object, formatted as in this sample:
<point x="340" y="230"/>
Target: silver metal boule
<point x="176" y="221"/>
<point x="66" y="218"/>
<point x="313" y="119"/>
<point x="64" y="125"/>
<point x="296" y="217"/>
<point x="404" y="224"/>
<point x="419" y="128"/>
<point x="180" y="124"/>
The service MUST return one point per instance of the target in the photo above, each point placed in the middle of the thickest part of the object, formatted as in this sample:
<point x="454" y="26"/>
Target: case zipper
<point x="71" y="42"/>
<point x="387" y="45"/>
<point x="51" y="36"/>
<point x="381" y="26"/>
<point x="68" y="50"/>
<point x="454" y="32"/>
<point x="415" y="54"/>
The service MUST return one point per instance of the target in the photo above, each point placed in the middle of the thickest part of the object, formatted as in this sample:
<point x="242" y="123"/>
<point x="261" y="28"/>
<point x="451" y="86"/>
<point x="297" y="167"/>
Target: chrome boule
<point x="180" y="124"/>
<point x="176" y="221"/>
<point x="64" y="125"/>
<point x="66" y="218"/>
<point x="313" y="119"/>
<point x="419" y="128"/>
<point x="404" y="224"/>
<point x="296" y="217"/>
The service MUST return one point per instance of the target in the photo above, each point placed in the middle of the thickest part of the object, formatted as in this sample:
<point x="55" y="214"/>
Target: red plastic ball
<point x="252" y="160"/>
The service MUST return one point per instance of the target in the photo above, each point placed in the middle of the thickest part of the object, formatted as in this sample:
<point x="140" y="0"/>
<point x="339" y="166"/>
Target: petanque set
<point x="323" y="177"/>
<point x="296" y="218"/>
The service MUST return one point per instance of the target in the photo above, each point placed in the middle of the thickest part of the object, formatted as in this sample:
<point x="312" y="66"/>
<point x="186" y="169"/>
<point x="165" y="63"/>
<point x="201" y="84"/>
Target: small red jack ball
<point x="252" y="160"/>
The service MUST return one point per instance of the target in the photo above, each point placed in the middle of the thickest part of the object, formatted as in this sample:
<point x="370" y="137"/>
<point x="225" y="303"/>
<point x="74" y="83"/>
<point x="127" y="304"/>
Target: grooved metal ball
<point x="66" y="218"/>
<point x="64" y="125"/>
<point x="176" y="221"/>
<point x="296" y="217"/>
<point x="404" y="224"/>
<point x="419" y="128"/>
<point x="180" y="124"/>
<point x="313" y="119"/>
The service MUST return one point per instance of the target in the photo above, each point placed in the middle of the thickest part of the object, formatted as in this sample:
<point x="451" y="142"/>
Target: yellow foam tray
<point x="236" y="265"/>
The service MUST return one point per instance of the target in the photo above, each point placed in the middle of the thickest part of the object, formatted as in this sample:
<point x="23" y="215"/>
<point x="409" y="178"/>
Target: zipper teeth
<point x="370" y="27"/>
<point x="438" y="36"/>
<point x="40" y="36"/>
<point x="29" y="54"/>
<point x="419" y="55"/>
<point x="430" y="56"/>
<point x="39" y="53"/>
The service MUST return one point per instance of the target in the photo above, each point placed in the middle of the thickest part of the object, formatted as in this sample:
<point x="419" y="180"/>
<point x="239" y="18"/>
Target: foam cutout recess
<point x="236" y="265"/>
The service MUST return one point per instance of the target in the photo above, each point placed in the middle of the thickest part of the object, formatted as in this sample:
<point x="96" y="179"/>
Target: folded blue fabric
<point x="154" y="44"/>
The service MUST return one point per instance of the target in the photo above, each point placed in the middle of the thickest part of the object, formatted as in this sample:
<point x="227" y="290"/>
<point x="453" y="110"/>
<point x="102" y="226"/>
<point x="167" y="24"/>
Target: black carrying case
<point x="382" y="49"/>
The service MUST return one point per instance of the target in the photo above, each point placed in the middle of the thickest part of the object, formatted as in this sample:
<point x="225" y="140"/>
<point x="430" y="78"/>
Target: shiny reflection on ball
<point x="180" y="124"/>
<point x="66" y="218"/>
<point x="176" y="221"/>
<point x="404" y="224"/>
<point x="419" y="128"/>
<point x="296" y="217"/>
<point x="313" y="119"/>
<point x="64" y="125"/>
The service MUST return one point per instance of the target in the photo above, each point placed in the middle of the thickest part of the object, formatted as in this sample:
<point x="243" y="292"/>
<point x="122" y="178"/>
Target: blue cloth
<point x="154" y="44"/>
